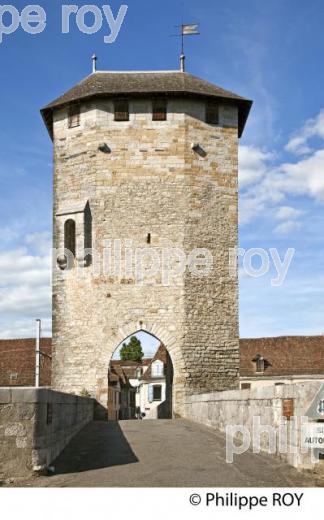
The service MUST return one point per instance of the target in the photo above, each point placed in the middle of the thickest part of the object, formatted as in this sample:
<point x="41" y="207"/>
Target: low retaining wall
<point x="239" y="407"/>
<point x="35" y="426"/>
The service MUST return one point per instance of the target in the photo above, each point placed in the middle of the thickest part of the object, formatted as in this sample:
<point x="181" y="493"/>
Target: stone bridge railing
<point x="267" y="405"/>
<point x="35" y="426"/>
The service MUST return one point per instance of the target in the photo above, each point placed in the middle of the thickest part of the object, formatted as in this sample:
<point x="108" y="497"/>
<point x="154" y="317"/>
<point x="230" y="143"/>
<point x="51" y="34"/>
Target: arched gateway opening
<point x="140" y="378"/>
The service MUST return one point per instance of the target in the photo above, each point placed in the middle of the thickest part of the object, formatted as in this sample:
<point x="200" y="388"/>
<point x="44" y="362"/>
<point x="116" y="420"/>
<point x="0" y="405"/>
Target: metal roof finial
<point x="94" y="63"/>
<point x="182" y="63"/>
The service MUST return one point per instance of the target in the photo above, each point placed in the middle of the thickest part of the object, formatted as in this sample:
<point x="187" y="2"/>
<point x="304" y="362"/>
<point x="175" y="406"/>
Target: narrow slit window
<point x="148" y="239"/>
<point x="74" y="116"/>
<point x="212" y="113"/>
<point x="159" y="110"/>
<point x="88" y="235"/>
<point x="122" y="110"/>
<point x="69" y="236"/>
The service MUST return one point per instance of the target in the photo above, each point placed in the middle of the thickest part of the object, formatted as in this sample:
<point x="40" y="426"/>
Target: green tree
<point x="132" y="351"/>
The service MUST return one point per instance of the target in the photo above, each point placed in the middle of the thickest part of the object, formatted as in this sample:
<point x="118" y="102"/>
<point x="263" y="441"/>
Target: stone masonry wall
<point x="232" y="408"/>
<point x="36" y="425"/>
<point x="151" y="182"/>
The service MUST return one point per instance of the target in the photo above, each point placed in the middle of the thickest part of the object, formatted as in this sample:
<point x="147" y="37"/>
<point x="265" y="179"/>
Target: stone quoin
<point x="124" y="172"/>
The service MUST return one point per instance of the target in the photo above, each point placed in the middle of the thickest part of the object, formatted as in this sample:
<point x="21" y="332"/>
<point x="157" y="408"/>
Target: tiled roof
<point x="116" y="373"/>
<point x="286" y="355"/>
<point x="121" y="362"/>
<point x="172" y="83"/>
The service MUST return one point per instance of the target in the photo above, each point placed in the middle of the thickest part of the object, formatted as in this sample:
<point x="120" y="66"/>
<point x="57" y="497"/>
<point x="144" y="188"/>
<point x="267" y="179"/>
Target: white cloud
<point x="264" y="185"/>
<point x="305" y="177"/>
<point x="287" y="227"/>
<point x="287" y="212"/>
<point x="18" y="267"/>
<point x="252" y="164"/>
<point x="41" y="242"/>
<point x="24" y="328"/>
<point x="298" y="143"/>
<point x="8" y="234"/>
<point x="25" y="292"/>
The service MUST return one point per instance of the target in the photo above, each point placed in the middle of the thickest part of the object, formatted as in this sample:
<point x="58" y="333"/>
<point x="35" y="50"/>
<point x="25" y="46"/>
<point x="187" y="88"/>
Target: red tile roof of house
<point x="286" y="355"/>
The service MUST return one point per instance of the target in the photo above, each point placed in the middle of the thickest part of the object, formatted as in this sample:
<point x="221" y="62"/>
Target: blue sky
<point x="271" y="52"/>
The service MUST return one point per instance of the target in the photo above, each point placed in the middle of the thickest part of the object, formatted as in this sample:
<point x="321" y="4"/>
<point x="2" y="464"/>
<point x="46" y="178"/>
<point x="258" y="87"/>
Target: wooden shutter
<point x="74" y="116"/>
<point x="150" y="393"/>
<point x="159" y="110"/>
<point x="122" y="110"/>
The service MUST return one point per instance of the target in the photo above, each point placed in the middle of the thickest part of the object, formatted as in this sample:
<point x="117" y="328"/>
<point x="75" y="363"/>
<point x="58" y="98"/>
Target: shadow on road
<point x="99" y="445"/>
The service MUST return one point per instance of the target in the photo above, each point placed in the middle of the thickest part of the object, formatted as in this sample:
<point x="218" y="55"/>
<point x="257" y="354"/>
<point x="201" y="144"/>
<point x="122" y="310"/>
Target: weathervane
<point x="186" y="30"/>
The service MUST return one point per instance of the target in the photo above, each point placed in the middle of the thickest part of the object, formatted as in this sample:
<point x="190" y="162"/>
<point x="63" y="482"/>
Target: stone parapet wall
<point x="36" y="425"/>
<point x="240" y="407"/>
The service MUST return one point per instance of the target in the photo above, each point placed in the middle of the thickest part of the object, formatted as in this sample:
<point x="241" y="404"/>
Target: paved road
<point x="161" y="454"/>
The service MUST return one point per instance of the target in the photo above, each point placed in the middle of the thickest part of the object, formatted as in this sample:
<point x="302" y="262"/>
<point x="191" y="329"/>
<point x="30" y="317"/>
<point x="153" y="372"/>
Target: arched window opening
<point x="69" y="241"/>
<point x="140" y="378"/>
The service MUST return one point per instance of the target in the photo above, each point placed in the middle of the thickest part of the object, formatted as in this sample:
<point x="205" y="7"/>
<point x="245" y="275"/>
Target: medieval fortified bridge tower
<point x="145" y="161"/>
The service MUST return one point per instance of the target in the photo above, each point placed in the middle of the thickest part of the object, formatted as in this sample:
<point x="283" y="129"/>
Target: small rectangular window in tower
<point x="159" y="110"/>
<point x="74" y="116"/>
<point x="122" y="110"/>
<point x="212" y="113"/>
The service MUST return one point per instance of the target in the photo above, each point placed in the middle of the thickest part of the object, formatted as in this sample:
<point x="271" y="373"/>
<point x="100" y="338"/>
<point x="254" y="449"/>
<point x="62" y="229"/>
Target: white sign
<point x="313" y="435"/>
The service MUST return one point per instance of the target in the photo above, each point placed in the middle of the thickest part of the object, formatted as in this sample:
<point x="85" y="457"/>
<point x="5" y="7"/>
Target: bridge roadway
<point x="176" y="453"/>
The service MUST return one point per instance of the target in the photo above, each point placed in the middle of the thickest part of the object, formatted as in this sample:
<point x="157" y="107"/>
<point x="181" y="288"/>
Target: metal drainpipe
<point x="38" y="335"/>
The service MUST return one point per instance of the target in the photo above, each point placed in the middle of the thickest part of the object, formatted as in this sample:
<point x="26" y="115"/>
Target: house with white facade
<point x="154" y="388"/>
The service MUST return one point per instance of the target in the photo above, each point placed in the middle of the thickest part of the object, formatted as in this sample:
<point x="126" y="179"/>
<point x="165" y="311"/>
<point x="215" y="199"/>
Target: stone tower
<point x="145" y="179"/>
